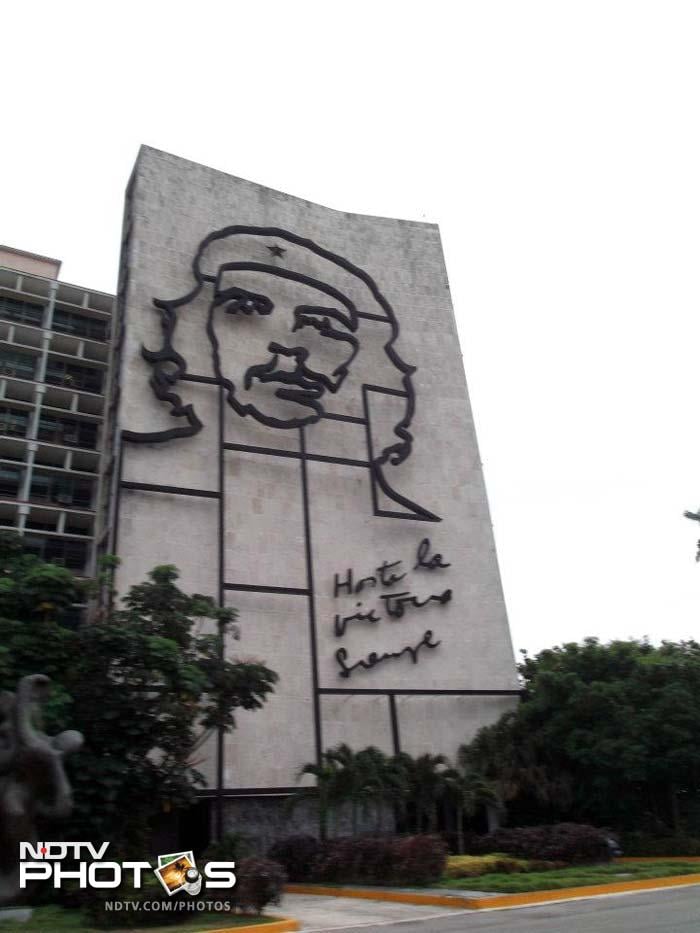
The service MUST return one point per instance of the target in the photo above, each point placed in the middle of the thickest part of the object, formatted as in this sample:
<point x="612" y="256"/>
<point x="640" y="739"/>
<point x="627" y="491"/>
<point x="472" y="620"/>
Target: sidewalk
<point x="317" y="913"/>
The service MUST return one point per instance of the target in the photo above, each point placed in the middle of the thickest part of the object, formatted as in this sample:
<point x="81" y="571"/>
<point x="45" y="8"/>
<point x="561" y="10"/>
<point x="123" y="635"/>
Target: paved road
<point x="672" y="911"/>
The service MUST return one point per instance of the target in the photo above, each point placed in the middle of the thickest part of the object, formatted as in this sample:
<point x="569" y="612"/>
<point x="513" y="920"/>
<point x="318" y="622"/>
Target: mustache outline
<point x="297" y="386"/>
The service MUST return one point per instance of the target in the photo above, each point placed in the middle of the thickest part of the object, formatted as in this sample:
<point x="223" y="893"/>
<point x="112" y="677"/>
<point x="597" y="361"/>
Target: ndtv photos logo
<point x="176" y="872"/>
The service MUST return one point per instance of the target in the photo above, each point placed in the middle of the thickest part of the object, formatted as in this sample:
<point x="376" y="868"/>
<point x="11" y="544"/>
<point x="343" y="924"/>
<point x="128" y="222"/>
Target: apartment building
<point x="54" y="362"/>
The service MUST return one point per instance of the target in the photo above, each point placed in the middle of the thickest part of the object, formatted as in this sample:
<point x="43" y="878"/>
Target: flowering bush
<point x="296" y="854"/>
<point x="565" y="842"/>
<point x="419" y="859"/>
<point x="259" y="882"/>
<point x="381" y="860"/>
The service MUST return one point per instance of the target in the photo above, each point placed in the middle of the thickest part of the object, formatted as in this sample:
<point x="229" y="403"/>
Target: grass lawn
<point x="576" y="876"/>
<point x="60" y="920"/>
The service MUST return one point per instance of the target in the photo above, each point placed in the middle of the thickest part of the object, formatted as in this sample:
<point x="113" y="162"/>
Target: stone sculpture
<point x="33" y="781"/>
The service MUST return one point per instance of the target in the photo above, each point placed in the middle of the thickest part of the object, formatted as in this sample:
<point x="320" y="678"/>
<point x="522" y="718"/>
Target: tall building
<point x="54" y="358"/>
<point x="295" y="435"/>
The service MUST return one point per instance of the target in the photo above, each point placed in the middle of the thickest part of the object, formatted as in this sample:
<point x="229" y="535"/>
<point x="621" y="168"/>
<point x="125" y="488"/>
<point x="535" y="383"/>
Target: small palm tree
<point x="468" y="790"/>
<point x="350" y="780"/>
<point x="426" y="787"/>
<point x="325" y="793"/>
<point x="375" y="782"/>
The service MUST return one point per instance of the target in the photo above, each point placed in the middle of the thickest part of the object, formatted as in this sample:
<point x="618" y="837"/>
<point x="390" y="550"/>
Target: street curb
<point x="277" y="926"/>
<point x="374" y="894"/>
<point x="592" y="890"/>
<point x="638" y="859"/>
<point x="497" y="900"/>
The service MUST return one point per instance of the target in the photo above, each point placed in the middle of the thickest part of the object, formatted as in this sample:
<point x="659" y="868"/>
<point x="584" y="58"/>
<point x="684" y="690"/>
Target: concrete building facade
<point x="55" y="349"/>
<point x="293" y="432"/>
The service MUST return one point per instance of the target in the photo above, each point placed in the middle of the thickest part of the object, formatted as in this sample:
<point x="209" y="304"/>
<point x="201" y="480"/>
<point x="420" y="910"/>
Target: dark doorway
<point x="194" y="827"/>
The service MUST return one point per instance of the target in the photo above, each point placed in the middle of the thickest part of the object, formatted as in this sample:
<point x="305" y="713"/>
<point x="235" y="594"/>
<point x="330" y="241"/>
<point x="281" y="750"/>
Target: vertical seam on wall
<point x="312" y="598"/>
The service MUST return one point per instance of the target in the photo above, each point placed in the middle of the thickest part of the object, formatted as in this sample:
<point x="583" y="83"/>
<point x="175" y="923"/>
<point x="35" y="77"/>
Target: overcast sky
<point x="557" y="144"/>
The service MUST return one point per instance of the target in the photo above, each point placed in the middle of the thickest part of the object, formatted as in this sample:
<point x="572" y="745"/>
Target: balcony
<point x="81" y="461"/>
<point x="65" y="552"/>
<point x="25" y="334"/>
<point x="21" y="311"/>
<point x="78" y="325"/>
<point x="60" y="372"/>
<point x="14" y="422"/>
<point x="18" y="365"/>
<point x="68" y="433"/>
<point x="58" y="491"/>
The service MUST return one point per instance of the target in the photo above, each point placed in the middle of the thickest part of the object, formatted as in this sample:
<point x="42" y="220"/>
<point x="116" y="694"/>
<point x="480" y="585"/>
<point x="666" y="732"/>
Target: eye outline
<point x="242" y="301"/>
<point x="309" y="316"/>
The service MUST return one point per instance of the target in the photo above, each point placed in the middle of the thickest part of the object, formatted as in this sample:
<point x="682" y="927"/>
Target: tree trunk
<point x="675" y="813"/>
<point x="460" y="832"/>
<point x="322" y="817"/>
<point x="433" y="820"/>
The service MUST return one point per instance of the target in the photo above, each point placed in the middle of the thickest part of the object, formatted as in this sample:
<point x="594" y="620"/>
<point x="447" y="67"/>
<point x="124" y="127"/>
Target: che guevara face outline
<point x="310" y="349"/>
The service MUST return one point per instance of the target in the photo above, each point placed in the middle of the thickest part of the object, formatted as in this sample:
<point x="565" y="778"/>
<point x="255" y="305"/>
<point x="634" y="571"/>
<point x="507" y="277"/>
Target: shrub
<point x="419" y="859"/>
<point x="335" y="860"/>
<point x="642" y="844"/>
<point x="471" y="866"/>
<point x="231" y="848"/>
<point x="296" y="854"/>
<point x="259" y="883"/>
<point x="381" y="860"/>
<point x="566" y="842"/>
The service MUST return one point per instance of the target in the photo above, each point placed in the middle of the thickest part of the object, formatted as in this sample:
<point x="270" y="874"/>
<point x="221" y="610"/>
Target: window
<point x="41" y="486"/>
<point x="71" y="433"/>
<point x="13" y="423"/>
<point x="24" y="312"/>
<point x="60" y="373"/>
<point x="35" y="525"/>
<point x="71" y="554"/>
<point x="10" y="478"/>
<point x="77" y="529"/>
<point x="65" y="322"/>
<point x="16" y="364"/>
<point x="62" y="490"/>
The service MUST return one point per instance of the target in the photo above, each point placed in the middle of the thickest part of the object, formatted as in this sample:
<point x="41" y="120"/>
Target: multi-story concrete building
<point x="294" y="434"/>
<point x="54" y="359"/>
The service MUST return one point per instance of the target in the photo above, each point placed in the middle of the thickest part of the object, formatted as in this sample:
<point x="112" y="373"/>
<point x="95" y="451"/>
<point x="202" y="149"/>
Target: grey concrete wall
<point x="175" y="204"/>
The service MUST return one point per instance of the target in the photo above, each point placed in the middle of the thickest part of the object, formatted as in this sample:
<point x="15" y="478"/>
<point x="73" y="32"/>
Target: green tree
<point x="34" y="596"/>
<point x="30" y="588"/>
<point x="608" y="734"/>
<point x="151" y="683"/>
<point x="145" y="684"/>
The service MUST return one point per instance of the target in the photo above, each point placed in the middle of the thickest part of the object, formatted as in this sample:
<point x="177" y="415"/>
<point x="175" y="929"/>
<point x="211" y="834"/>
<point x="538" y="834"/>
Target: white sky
<point x="557" y="144"/>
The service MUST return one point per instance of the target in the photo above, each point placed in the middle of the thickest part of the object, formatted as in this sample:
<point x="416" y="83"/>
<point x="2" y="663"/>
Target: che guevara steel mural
<point x="290" y="373"/>
<point x="299" y="355"/>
